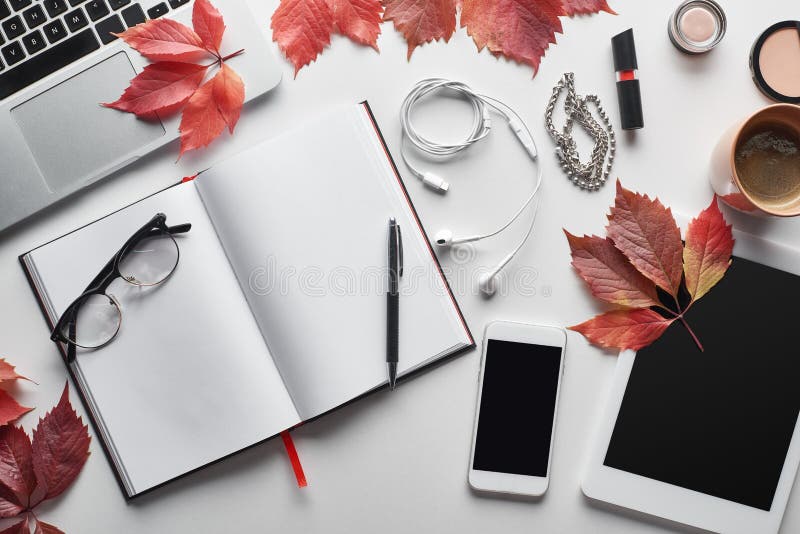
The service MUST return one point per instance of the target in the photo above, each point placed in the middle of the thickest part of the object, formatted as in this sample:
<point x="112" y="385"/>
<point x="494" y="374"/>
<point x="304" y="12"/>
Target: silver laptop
<point x="58" y="61"/>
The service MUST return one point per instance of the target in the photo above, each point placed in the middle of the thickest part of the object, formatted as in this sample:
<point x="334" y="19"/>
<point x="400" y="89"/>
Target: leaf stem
<point x="677" y="304"/>
<point x="691" y="332"/>
<point x="229" y="56"/>
<point x="671" y="312"/>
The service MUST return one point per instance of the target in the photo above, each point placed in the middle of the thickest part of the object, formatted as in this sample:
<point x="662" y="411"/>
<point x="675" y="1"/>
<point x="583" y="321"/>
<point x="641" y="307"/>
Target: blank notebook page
<point x="304" y="219"/>
<point x="188" y="378"/>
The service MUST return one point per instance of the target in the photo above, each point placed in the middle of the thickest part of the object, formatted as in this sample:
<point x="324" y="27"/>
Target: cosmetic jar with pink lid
<point x="697" y="26"/>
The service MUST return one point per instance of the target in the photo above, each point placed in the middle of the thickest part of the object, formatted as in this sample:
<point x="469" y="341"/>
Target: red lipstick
<point x="628" y="91"/>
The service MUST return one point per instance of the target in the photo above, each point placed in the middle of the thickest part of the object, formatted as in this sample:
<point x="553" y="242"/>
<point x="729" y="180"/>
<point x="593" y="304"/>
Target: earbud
<point x="486" y="280"/>
<point x="444" y="238"/>
<point x="486" y="283"/>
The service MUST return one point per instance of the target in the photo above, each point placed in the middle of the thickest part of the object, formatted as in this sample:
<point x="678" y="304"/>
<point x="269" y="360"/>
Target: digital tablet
<point x="711" y="439"/>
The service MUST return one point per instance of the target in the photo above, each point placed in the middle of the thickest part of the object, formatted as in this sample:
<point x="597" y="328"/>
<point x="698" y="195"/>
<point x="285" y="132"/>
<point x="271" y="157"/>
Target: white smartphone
<point x="515" y="417"/>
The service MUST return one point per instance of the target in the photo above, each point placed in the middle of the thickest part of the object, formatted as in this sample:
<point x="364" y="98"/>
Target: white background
<point x="397" y="462"/>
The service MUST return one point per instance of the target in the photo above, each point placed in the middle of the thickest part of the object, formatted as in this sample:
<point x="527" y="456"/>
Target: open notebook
<point x="276" y="313"/>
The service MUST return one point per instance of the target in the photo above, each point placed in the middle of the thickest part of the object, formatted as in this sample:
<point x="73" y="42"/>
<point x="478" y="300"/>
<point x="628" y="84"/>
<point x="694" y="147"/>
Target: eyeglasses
<point x="147" y="258"/>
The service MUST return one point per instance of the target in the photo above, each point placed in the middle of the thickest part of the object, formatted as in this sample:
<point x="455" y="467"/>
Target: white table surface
<point x="397" y="463"/>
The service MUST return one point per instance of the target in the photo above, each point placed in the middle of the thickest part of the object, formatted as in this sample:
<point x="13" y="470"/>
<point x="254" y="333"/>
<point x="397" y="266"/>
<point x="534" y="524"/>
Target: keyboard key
<point x="74" y="3"/>
<point x="177" y="3"/>
<point x="13" y="27"/>
<point x="106" y="27"/>
<point x="76" y="20"/>
<point x="34" y="16"/>
<point x="116" y="4"/>
<point x="47" y="62"/>
<point x="4" y="11"/>
<point x="158" y="10"/>
<point x="55" y="31"/>
<point x="133" y="15"/>
<point x="97" y="9"/>
<point x="54" y="7"/>
<point x="13" y="53"/>
<point x="20" y="4"/>
<point x="34" y="42"/>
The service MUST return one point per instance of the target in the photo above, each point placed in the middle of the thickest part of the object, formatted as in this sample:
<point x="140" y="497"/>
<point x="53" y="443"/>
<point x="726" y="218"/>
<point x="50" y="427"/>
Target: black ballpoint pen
<point x="393" y="299"/>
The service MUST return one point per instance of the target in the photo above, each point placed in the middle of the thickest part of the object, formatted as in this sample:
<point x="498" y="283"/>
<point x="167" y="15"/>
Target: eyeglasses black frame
<point x="110" y="272"/>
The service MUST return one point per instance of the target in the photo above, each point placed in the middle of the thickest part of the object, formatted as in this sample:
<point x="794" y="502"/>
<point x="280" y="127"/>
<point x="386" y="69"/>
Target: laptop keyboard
<point x="39" y="37"/>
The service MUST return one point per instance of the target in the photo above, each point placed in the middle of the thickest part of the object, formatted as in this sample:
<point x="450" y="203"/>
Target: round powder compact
<point x="697" y="26"/>
<point x="775" y="61"/>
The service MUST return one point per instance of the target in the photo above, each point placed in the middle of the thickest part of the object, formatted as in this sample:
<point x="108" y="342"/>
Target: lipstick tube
<point x="628" y="92"/>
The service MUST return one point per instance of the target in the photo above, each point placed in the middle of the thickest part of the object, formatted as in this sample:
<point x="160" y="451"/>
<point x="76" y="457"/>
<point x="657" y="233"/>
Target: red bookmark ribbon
<point x="291" y="451"/>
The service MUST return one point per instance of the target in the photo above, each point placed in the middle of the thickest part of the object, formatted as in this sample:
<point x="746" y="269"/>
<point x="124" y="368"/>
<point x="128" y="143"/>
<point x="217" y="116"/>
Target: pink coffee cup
<point x="725" y="179"/>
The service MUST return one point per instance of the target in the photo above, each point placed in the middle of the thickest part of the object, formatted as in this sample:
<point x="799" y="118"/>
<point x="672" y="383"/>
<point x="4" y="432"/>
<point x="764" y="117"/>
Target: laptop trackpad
<point x="72" y="136"/>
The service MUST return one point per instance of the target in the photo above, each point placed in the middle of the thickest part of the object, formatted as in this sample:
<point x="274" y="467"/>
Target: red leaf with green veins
<point x="645" y="231"/>
<point x="609" y="274"/>
<point x="707" y="254"/>
<point x="624" y="329"/>
<point x="60" y="447"/>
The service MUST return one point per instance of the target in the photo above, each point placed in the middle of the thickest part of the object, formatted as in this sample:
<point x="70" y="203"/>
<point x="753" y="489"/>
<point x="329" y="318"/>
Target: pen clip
<point x="399" y="251"/>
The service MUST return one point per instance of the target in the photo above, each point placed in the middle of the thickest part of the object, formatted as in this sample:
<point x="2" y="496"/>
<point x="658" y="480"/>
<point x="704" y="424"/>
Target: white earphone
<point x="480" y="129"/>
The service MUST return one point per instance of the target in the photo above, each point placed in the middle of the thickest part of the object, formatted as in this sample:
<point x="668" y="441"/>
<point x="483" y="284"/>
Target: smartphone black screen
<point x="515" y="422"/>
<point x="719" y="421"/>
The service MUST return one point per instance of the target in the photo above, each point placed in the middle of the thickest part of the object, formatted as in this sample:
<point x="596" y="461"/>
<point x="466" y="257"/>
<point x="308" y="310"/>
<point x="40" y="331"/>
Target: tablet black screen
<point x="718" y="422"/>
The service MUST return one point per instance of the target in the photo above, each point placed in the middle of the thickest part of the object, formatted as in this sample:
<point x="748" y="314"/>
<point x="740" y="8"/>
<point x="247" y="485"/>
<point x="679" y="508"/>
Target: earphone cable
<point x="481" y="127"/>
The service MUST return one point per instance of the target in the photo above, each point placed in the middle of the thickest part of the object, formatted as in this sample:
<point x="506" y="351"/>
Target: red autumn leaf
<point x="214" y="106"/>
<point x="517" y="29"/>
<point x="174" y="82"/>
<point x="422" y="21"/>
<point x="624" y="329"/>
<point x="44" y="528"/>
<point x="708" y="249"/>
<point x="358" y="20"/>
<point x="228" y="95"/>
<point x="646" y="232"/>
<point x="10" y="409"/>
<point x="16" y="465"/>
<point x="160" y="87"/>
<point x="60" y="447"/>
<point x="586" y="7"/>
<point x="302" y="29"/>
<point x="609" y="274"/>
<point x="7" y="507"/>
<point x="644" y="248"/>
<point x="8" y="372"/>
<point x="209" y="25"/>
<point x="18" y="528"/>
<point x="165" y="40"/>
